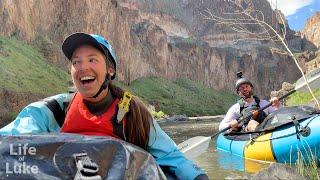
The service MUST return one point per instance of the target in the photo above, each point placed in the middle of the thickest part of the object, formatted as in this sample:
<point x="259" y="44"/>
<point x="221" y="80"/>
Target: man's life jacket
<point x="76" y="118"/>
<point x="246" y="110"/>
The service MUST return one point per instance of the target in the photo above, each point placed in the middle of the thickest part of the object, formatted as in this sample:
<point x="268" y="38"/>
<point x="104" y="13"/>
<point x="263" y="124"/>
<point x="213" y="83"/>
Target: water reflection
<point x="223" y="165"/>
<point x="217" y="164"/>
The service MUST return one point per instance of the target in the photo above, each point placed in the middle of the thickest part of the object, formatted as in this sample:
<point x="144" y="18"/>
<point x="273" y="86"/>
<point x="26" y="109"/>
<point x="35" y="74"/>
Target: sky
<point x="296" y="11"/>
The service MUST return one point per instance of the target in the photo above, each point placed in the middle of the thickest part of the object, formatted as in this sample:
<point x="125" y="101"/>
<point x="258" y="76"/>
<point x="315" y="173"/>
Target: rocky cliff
<point x="154" y="38"/>
<point x="311" y="30"/>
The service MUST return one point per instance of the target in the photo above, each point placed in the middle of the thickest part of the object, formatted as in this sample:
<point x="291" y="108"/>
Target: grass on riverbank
<point x="306" y="164"/>
<point x="181" y="96"/>
<point x="24" y="69"/>
<point x="300" y="98"/>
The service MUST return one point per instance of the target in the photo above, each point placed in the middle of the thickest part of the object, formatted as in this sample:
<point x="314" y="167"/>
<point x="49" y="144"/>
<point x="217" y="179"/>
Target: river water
<point x="217" y="164"/>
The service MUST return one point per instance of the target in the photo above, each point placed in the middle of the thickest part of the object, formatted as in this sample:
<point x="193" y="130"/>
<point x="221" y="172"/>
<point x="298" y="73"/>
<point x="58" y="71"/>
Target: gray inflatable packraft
<point x="70" y="156"/>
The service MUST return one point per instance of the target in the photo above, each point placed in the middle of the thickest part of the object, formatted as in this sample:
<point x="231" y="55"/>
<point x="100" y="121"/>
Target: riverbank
<point x="182" y="128"/>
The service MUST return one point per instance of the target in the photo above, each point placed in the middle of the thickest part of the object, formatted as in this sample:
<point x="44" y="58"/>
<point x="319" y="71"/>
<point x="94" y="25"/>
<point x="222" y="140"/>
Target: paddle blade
<point x="195" y="146"/>
<point x="313" y="78"/>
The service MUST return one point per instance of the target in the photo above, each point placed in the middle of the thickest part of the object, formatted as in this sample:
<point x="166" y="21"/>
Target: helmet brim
<point x="71" y="43"/>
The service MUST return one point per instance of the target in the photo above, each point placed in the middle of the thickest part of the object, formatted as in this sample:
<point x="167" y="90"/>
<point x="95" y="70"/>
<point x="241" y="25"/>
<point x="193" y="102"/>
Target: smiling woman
<point x="99" y="108"/>
<point x="89" y="71"/>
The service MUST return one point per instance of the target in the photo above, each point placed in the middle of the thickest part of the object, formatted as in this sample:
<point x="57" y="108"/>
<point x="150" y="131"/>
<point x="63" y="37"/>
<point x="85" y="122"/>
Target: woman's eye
<point x="92" y="60"/>
<point x="75" y="62"/>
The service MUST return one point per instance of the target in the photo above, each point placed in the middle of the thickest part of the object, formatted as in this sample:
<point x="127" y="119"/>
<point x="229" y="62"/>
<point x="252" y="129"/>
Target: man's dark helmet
<point x="242" y="80"/>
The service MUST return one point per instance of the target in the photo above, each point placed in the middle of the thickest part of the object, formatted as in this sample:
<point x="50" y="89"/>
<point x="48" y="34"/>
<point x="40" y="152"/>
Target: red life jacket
<point x="79" y="120"/>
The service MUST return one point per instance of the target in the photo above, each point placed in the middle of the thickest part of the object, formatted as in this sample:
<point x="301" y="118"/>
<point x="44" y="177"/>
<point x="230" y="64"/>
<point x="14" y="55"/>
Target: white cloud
<point x="289" y="7"/>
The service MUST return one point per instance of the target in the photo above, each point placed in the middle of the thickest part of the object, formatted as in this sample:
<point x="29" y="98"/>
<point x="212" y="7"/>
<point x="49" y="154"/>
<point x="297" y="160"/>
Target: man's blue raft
<point x="285" y="135"/>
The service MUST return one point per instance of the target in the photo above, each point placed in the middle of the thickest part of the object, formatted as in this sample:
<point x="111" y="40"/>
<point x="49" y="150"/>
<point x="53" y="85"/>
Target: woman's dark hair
<point x="138" y="119"/>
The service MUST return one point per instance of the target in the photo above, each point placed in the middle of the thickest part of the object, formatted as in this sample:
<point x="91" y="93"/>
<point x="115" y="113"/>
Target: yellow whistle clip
<point x="124" y="106"/>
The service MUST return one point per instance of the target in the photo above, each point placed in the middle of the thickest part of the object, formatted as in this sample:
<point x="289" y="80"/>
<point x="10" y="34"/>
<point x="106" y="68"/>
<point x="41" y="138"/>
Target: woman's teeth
<point x="87" y="79"/>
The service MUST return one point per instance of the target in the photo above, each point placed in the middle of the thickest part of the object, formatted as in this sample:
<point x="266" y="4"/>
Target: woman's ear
<point x="110" y="75"/>
<point x="110" y="72"/>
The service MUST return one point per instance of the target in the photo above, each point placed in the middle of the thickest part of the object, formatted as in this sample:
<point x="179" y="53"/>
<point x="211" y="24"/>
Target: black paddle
<point x="249" y="115"/>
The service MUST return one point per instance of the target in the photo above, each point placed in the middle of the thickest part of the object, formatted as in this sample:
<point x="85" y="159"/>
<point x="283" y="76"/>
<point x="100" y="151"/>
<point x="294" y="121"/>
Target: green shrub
<point x="302" y="98"/>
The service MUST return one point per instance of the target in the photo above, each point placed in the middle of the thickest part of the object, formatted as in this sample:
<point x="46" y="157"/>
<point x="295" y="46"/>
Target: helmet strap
<point x="103" y="86"/>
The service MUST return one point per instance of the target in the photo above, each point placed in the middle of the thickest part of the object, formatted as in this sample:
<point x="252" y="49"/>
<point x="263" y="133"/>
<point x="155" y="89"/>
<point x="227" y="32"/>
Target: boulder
<point x="176" y="118"/>
<point x="277" y="171"/>
<point x="287" y="86"/>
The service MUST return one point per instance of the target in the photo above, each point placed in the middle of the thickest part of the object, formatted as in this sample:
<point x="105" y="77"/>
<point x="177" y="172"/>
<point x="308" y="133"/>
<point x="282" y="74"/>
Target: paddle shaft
<point x="251" y="114"/>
